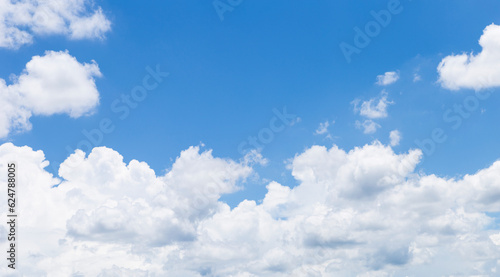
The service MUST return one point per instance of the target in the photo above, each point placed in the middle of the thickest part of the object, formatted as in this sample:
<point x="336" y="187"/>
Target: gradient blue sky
<point x="227" y="76"/>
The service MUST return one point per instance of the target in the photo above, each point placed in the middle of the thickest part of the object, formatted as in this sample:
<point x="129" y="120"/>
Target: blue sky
<point x="227" y="76"/>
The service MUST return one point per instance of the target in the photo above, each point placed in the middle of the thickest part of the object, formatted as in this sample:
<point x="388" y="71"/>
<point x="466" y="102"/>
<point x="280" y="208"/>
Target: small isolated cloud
<point x="368" y="126"/>
<point x="416" y="77"/>
<point x="323" y="128"/>
<point x="387" y="79"/>
<point x="296" y="121"/>
<point x="474" y="71"/>
<point x="254" y="157"/>
<point x="55" y="83"/>
<point x="20" y="21"/>
<point x="395" y="137"/>
<point x="373" y="108"/>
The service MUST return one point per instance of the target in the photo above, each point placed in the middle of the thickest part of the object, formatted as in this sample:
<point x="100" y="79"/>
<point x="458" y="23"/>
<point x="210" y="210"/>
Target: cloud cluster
<point x="474" y="71"/>
<point x="20" y="21"/>
<point x="374" y="108"/>
<point x="364" y="212"/>
<point x="55" y="83"/>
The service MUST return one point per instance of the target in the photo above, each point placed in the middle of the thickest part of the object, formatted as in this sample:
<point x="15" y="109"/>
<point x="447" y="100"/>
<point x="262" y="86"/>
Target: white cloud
<point x="388" y="78"/>
<point x="373" y="108"/>
<point x="395" y="137"/>
<point x="495" y="238"/>
<point x="105" y="206"/>
<point x="55" y="83"/>
<point x="368" y="126"/>
<point x="20" y="21"/>
<point x="474" y="71"/>
<point x="254" y="157"/>
<point x="111" y="218"/>
<point x="416" y="77"/>
<point x="323" y="128"/>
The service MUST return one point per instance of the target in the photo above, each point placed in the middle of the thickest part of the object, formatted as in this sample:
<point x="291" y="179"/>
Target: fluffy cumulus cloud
<point x="55" y="83"/>
<point x="363" y="212"/>
<point x="474" y="71"/>
<point x="20" y="21"/>
<point x="388" y="78"/>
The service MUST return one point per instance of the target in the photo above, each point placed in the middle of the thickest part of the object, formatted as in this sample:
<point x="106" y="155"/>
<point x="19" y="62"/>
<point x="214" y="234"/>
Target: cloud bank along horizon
<point x="368" y="204"/>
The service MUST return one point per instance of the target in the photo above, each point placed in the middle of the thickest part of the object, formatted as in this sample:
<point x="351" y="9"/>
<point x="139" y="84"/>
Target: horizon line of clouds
<point x="346" y="203"/>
